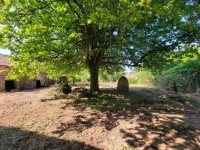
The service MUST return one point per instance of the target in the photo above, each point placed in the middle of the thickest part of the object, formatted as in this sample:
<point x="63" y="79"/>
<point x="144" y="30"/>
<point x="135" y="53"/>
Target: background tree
<point x="68" y="35"/>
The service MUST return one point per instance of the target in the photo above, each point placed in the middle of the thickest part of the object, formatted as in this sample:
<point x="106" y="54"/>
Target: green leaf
<point x="89" y="21"/>
<point x="64" y="36"/>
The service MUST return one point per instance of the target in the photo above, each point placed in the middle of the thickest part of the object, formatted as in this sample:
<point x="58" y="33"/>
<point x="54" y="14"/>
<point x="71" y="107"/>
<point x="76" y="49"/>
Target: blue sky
<point x="5" y="51"/>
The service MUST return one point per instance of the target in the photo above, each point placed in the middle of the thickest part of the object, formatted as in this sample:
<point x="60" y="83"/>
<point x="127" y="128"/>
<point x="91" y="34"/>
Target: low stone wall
<point x="43" y="79"/>
<point x="26" y="83"/>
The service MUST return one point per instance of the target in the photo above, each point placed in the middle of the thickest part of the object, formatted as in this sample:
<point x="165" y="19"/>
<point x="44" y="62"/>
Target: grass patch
<point x="1" y="133"/>
<point x="182" y="99"/>
<point x="194" y="102"/>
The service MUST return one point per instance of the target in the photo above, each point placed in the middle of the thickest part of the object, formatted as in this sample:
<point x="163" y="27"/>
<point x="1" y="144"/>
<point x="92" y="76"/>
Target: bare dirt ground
<point x="143" y="119"/>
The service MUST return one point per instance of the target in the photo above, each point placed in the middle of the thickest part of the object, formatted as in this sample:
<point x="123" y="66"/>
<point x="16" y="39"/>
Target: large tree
<point x="67" y="35"/>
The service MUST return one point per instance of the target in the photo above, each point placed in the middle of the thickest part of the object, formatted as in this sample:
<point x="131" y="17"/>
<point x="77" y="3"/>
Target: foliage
<point x="185" y="76"/>
<point x="30" y="69"/>
<point x="180" y="57"/>
<point x="84" y="76"/>
<point x="142" y="77"/>
<point x="70" y="36"/>
<point x="109" y="77"/>
<point x="133" y="81"/>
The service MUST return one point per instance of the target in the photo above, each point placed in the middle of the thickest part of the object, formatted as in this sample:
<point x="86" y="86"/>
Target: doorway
<point x="9" y="85"/>
<point x="38" y="84"/>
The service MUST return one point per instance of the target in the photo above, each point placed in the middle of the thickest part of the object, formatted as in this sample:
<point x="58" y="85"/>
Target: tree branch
<point x="157" y="49"/>
<point x="40" y="8"/>
<point x="80" y="7"/>
<point x="120" y="63"/>
<point x="74" y="11"/>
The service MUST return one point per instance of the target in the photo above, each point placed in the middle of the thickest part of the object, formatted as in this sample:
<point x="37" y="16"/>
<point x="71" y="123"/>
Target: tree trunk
<point x="94" y="82"/>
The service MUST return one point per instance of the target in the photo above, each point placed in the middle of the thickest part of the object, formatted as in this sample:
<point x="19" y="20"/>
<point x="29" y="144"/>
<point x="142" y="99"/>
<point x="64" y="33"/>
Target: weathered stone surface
<point x="80" y="92"/>
<point x="123" y="85"/>
<point x="3" y="75"/>
<point x="63" y="80"/>
<point x="66" y="89"/>
<point x="44" y="81"/>
<point x="25" y="83"/>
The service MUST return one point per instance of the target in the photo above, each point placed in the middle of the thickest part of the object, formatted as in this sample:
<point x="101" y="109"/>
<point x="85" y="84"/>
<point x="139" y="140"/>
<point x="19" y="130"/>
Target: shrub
<point x="142" y="77"/>
<point x="185" y="77"/>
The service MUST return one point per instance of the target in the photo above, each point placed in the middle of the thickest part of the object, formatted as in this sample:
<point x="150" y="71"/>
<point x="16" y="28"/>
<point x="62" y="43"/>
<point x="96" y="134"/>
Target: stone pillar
<point x="122" y="85"/>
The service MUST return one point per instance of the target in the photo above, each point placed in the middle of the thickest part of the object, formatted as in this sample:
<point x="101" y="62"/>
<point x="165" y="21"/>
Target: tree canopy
<point x="69" y="35"/>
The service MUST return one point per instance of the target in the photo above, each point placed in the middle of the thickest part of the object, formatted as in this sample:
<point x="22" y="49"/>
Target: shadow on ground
<point x="160" y="118"/>
<point x="17" y="139"/>
<point x="153" y="99"/>
<point x="160" y="131"/>
<point x="148" y="118"/>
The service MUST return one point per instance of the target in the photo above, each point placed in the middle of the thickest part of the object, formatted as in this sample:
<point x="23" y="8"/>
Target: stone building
<point x="24" y="83"/>
<point x="5" y="67"/>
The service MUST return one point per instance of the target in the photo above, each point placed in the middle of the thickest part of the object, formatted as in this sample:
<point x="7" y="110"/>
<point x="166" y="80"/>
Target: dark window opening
<point x="9" y="85"/>
<point x="38" y="84"/>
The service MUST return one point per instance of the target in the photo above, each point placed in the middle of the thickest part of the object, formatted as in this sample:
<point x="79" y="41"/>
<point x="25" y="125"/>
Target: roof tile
<point x="4" y="61"/>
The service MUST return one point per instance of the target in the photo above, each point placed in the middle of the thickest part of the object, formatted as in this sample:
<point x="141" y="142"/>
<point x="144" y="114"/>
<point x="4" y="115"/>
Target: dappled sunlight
<point x="149" y="129"/>
<point x="167" y="134"/>
<point x="139" y="119"/>
<point x="163" y="96"/>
